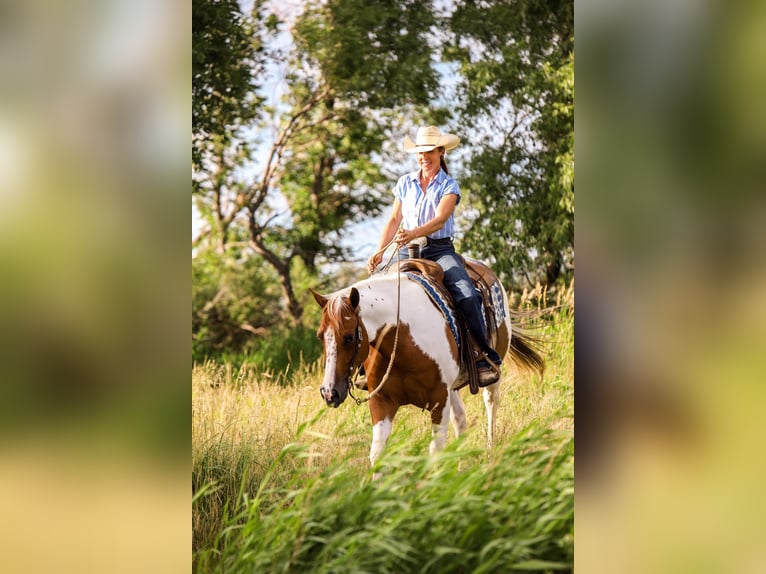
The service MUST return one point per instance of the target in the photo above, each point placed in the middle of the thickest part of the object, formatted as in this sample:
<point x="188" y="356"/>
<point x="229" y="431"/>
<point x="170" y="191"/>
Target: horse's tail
<point x="524" y="350"/>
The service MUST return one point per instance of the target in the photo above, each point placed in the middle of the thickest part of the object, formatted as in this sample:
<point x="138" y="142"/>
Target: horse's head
<point x="345" y="344"/>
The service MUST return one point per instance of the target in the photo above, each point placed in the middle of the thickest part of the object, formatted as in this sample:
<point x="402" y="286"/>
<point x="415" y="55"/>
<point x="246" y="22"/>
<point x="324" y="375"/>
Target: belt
<point x="442" y="241"/>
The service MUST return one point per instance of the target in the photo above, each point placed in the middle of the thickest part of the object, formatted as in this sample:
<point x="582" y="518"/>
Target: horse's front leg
<point x="440" y="416"/>
<point x="382" y="413"/>
<point x="457" y="413"/>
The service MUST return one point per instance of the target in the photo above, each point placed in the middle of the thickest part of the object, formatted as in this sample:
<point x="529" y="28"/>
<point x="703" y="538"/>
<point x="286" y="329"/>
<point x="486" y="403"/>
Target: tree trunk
<point x="553" y="269"/>
<point x="282" y="268"/>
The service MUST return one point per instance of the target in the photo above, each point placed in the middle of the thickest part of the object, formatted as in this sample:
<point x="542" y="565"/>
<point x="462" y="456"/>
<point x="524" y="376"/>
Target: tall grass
<point x="282" y="484"/>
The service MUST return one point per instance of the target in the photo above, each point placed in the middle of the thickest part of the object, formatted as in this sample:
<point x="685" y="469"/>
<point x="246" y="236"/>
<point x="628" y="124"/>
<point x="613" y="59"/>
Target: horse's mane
<point x="338" y="307"/>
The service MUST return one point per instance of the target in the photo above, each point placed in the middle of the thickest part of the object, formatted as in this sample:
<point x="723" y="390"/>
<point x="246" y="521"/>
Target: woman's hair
<point x="442" y="163"/>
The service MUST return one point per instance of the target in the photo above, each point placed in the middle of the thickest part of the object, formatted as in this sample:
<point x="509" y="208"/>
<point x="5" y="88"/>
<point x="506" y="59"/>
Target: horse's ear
<point x="321" y="299"/>
<point x="354" y="297"/>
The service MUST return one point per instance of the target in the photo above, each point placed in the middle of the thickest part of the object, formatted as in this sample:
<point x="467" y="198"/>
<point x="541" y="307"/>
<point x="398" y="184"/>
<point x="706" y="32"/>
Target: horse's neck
<point x="379" y="301"/>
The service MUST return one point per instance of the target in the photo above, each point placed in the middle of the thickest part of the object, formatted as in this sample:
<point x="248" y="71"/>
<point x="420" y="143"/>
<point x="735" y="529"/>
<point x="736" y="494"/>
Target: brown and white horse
<point x="358" y="326"/>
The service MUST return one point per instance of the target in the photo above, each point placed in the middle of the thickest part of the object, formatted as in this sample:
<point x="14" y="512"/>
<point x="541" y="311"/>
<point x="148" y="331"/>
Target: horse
<point x="404" y="334"/>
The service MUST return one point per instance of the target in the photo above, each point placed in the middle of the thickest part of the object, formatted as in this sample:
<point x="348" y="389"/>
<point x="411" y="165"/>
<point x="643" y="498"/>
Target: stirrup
<point x="488" y="375"/>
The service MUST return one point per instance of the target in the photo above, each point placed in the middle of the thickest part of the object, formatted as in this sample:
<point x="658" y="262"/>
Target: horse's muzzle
<point x="332" y="397"/>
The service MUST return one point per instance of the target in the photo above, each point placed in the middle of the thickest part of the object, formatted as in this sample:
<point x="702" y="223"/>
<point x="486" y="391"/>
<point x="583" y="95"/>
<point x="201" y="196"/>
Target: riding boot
<point x="474" y="319"/>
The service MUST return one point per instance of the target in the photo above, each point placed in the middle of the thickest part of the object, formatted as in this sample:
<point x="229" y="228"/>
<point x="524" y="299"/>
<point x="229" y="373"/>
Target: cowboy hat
<point x="430" y="138"/>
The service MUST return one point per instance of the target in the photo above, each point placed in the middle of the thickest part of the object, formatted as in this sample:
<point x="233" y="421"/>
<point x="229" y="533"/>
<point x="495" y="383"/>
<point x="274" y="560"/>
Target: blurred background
<point x="94" y="220"/>
<point x="670" y="286"/>
<point x="669" y="245"/>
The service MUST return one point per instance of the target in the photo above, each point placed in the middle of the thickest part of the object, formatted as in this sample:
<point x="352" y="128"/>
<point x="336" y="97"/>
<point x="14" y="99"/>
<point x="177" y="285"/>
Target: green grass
<point x="281" y="483"/>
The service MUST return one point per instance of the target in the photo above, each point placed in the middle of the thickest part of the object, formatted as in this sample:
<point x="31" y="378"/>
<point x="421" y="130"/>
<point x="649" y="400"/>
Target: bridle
<point x="358" y="337"/>
<point x="350" y="368"/>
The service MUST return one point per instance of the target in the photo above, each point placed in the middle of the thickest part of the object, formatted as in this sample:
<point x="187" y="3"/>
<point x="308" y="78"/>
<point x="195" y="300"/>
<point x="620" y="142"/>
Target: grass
<point x="281" y="483"/>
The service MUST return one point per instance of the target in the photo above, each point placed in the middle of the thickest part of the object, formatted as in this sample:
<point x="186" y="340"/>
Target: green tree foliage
<point x="516" y="108"/>
<point x="278" y="182"/>
<point x="375" y="53"/>
<point x="233" y="300"/>
<point x="293" y="198"/>
<point x="354" y="63"/>
<point x="330" y="181"/>
<point x="237" y="318"/>
<point x="227" y="58"/>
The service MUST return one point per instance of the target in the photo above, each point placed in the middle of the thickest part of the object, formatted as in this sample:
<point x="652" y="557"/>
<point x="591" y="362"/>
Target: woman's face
<point x="429" y="161"/>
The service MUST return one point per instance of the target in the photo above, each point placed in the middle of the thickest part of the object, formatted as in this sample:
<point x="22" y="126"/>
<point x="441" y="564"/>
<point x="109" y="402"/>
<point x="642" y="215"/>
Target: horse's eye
<point x="348" y="339"/>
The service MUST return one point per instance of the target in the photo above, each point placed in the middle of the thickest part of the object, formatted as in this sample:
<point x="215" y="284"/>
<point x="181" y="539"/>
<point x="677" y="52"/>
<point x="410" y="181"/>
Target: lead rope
<point x="376" y="390"/>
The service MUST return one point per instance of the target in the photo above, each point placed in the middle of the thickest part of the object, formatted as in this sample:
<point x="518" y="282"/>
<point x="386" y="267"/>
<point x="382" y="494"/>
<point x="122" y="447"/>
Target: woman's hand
<point x="404" y="236"/>
<point x="374" y="261"/>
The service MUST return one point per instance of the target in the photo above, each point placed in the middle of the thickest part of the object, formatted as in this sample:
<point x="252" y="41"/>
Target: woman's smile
<point x="429" y="163"/>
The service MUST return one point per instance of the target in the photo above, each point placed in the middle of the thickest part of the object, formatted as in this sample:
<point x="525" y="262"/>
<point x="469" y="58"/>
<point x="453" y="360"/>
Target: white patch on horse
<point x="331" y="358"/>
<point x="439" y="431"/>
<point x="426" y="322"/>
<point x="380" y="432"/>
<point x="457" y="412"/>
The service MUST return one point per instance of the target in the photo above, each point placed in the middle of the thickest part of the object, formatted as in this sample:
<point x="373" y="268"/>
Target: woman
<point x="424" y="204"/>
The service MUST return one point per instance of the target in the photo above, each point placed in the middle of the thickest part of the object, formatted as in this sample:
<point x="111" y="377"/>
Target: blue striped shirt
<point x="419" y="208"/>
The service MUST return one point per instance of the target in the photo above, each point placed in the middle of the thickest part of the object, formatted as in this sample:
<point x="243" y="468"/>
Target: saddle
<point x="485" y="281"/>
<point x="427" y="268"/>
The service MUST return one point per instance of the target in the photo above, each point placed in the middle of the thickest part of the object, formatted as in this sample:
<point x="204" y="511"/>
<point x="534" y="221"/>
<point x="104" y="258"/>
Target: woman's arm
<point x="389" y="229"/>
<point x="443" y="212"/>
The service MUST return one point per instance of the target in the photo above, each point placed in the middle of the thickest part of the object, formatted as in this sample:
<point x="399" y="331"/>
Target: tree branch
<point x="278" y="147"/>
<point x="258" y="331"/>
<point x="282" y="268"/>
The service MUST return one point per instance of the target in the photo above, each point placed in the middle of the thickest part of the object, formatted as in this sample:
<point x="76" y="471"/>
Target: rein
<point x="376" y="390"/>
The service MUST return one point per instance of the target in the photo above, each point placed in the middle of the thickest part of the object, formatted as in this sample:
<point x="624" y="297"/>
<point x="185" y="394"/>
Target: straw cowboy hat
<point x="430" y="138"/>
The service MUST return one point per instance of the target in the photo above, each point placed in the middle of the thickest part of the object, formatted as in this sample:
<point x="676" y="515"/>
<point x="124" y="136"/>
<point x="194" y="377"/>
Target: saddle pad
<point x="440" y="302"/>
<point x="497" y="303"/>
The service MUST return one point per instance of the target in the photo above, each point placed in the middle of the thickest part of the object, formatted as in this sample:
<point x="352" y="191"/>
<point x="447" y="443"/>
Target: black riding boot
<point x="474" y="320"/>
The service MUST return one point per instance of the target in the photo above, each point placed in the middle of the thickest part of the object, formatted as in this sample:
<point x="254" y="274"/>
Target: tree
<point x="228" y="56"/>
<point x="293" y="198"/>
<point x="232" y="300"/>
<point x="516" y="107"/>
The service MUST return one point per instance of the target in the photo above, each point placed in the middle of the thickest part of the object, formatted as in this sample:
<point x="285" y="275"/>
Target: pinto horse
<point x="359" y="327"/>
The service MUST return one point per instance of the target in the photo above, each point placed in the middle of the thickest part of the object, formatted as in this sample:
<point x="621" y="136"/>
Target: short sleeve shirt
<point x="419" y="208"/>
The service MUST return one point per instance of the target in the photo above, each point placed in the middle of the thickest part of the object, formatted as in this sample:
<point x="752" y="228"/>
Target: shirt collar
<point x="440" y="175"/>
